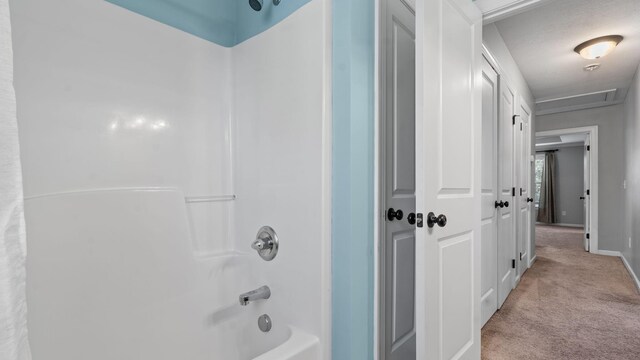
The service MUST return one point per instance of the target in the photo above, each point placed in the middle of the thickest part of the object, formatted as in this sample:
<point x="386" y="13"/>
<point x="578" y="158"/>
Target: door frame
<point x="592" y="132"/>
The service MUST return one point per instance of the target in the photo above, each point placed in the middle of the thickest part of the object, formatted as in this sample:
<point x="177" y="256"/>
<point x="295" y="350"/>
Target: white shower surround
<point x="119" y="113"/>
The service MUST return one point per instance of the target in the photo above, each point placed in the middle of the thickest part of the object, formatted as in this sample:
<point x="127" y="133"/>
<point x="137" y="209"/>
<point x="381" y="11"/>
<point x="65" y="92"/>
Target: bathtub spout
<point x="261" y="293"/>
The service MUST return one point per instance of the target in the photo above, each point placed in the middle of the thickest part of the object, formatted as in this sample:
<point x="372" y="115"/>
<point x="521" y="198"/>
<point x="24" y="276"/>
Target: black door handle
<point x="411" y="218"/>
<point x="506" y="204"/>
<point x="394" y="214"/>
<point x="432" y="219"/>
<point x="529" y="199"/>
<point x="581" y="197"/>
<point x="498" y="204"/>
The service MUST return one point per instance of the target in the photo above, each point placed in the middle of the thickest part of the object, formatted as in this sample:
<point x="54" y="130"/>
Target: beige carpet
<point x="569" y="305"/>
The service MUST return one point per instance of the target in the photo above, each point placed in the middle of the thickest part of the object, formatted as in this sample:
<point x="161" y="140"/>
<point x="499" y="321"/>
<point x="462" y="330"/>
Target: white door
<point x="587" y="192"/>
<point x="448" y="149"/>
<point x="399" y="331"/>
<point x="523" y="195"/>
<point x="489" y="239"/>
<point x="506" y="189"/>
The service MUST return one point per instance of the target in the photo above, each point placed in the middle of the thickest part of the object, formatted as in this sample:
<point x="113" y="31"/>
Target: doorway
<point x="567" y="194"/>
<point x="505" y="184"/>
<point x="428" y="225"/>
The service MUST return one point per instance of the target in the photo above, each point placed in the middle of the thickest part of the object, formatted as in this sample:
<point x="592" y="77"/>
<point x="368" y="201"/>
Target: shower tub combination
<point x="151" y="159"/>
<point x="95" y="285"/>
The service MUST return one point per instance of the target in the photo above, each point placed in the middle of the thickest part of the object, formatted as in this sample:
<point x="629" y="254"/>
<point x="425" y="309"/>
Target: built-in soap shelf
<point x="209" y="224"/>
<point x="212" y="198"/>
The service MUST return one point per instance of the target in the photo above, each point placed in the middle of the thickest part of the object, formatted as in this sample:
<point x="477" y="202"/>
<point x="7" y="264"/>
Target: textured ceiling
<point x="542" y="40"/>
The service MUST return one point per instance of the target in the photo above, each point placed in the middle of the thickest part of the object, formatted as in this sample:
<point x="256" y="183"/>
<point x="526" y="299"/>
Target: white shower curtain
<point x="14" y="344"/>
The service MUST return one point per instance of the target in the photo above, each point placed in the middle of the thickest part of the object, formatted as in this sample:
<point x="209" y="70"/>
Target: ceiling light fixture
<point x="598" y="47"/>
<point x="591" y="67"/>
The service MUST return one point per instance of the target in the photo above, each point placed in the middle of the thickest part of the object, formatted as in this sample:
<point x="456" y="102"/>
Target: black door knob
<point x="394" y="214"/>
<point x="411" y="218"/>
<point x="506" y="204"/>
<point x="432" y="220"/>
<point x="499" y="204"/>
<point x="529" y="199"/>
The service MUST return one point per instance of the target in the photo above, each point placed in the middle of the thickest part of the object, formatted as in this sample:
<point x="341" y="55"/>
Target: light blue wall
<point x="353" y="141"/>
<point x="251" y="23"/>
<point x="224" y="22"/>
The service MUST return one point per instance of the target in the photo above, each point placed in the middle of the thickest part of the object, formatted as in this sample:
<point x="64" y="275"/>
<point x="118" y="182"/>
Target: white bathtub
<point x="298" y="346"/>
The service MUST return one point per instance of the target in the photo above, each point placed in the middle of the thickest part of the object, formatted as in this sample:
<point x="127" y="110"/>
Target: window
<point x="539" y="167"/>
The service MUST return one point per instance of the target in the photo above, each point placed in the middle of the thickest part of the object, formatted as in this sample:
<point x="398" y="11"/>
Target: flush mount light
<point x="598" y="47"/>
<point x="591" y="67"/>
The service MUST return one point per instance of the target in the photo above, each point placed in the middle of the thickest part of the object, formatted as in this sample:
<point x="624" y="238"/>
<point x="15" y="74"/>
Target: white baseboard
<point x="608" y="253"/>
<point x="631" y="272"/>
<point x="569" y="225"/>
<point x="533" y="259"/>
<point x="562" y="224"/>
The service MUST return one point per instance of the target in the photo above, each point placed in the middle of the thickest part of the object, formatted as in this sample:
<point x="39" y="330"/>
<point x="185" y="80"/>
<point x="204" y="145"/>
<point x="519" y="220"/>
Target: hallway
<point x="570" y="305"/>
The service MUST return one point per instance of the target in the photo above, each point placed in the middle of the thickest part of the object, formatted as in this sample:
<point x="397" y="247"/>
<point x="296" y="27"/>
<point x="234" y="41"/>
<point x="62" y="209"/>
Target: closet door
<point x="506" y="190"/>
<point x="489" y="218"/>
<point x="523" y="192"/>
<point x="448" y="162"/>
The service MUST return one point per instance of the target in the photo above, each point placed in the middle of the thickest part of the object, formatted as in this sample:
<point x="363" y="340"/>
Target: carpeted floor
<point x="569" y="305"/>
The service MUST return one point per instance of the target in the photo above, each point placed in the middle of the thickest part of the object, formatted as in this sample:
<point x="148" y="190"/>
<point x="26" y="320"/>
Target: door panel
<point x="398" y="331"/>
<point x="506" y="217"/>
<point x="448" y="131"/>
<point x="403" y="291"/>
<point x="489" y="282"/>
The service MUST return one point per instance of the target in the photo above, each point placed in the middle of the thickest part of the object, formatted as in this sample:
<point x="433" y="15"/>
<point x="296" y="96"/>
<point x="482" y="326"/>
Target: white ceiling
<point x="541" y="41"/>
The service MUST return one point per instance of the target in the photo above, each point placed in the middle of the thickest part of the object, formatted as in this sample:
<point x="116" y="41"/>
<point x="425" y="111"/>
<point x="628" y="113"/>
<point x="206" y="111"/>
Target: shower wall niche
<point x="151" y="157"/>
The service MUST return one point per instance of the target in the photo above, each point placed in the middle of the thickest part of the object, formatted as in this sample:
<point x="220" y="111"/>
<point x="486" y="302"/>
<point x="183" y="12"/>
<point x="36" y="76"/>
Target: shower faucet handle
<point x="266" y="243"/>
<point x="260" y="244"/>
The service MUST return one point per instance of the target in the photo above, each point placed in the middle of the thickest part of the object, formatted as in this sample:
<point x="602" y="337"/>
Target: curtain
<point x="547" y="204"/>
<point x="13" y="306"/>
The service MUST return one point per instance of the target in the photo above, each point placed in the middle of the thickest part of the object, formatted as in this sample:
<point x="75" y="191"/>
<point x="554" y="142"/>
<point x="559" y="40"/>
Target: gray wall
<point x="632" y="174"/>
<point x="493" y="41"/>
<point x="569" y="184"/>
<point x="610" y="165"/>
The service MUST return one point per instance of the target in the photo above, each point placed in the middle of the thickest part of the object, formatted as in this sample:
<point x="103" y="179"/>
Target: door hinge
<point x="520" y="191"/>
<point x="513" y="263"/>
<point x="419" y="222"/>
<point x="520" y="256"/>
<point x="588" y="237"/>
<point x="520" y="126"/>
<point x="513" y="191"/>
<point x="588" y="147"/>
<point x="588" y="192"/>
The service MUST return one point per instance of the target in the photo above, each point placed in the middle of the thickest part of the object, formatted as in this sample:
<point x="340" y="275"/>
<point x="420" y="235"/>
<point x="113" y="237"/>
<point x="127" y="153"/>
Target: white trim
<point x="378" y="226"/>
<point x="608" y="253"/>
<point x="327" y="181"/>
<point x="636" y="281"/>
<point x="593" y="168"/>
<point x="495" y="10"/>
<point x="533" y="259"/>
